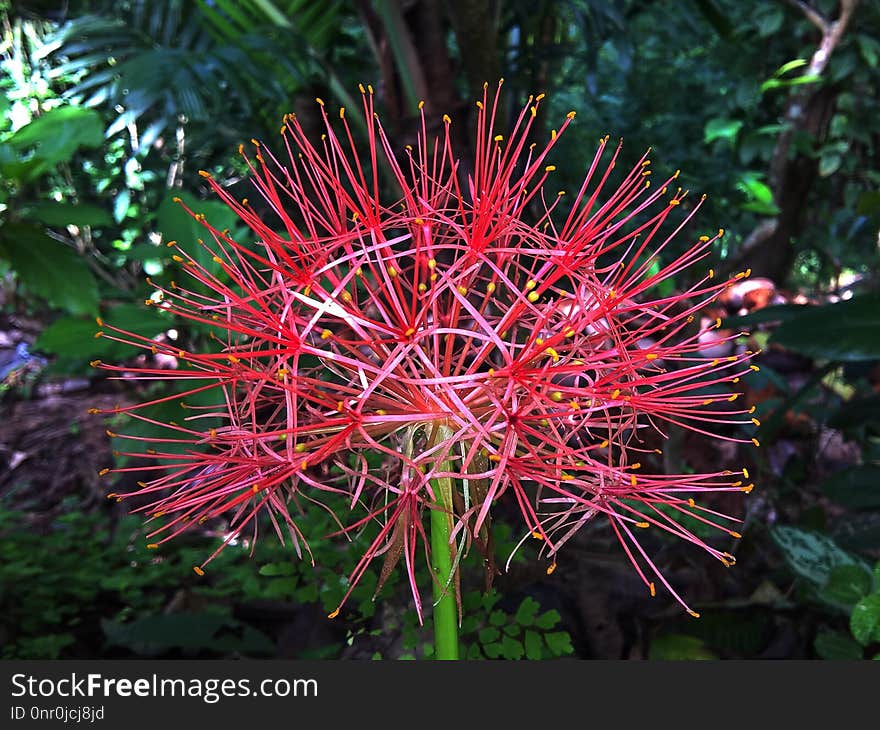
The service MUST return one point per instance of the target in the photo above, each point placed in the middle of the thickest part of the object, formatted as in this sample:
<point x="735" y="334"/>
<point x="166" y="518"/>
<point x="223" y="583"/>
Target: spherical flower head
<point x="465" y="326"/>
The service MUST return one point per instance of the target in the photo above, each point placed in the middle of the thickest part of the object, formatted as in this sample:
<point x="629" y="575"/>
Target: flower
<point x="472" y="327"/>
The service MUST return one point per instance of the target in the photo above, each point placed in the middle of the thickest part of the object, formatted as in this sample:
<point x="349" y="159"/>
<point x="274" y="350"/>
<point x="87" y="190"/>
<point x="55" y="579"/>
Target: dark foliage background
<point x="109" y="109"/>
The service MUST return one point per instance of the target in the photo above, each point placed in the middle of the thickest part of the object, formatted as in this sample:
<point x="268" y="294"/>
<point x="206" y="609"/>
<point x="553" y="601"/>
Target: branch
<point x="813" y="15"/>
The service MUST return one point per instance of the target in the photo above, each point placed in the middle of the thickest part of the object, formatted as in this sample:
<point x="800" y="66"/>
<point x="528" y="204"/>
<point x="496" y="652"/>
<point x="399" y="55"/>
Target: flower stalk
<point x="442" y="558"/>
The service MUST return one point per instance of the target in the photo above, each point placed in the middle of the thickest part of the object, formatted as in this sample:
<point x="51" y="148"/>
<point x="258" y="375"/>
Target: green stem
<point x="445" y="605"/>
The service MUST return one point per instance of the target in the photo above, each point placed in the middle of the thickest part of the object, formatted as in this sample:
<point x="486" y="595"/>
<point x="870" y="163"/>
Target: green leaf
<point x="811" y="555"/>
<point x="49" y="269"/>
<point x="52" y="138"/>
<point x="845" y="331"/>
<point x="67" y="214"/>
<point x="722" y="129"/>
<point x="559" y="643"/>
<point x="512" y="648"/>
<point x="846" y="585"/>
<point x="276" y="569"/>
<point x="673" y="647"/>
<point x="857" y="487"/>
<point x="865" y="620"/>
<point x="498" y="618"/>
<point x="488" y="634"/>
<point x="829" y="164"/>
<point x="528" y="609"/>
<point x="178" y="225"/>
<point x="72" y="339"/>
<point x="834" y="645"/>
<point x="548" y="619"/>
<point x="534" y="645"/>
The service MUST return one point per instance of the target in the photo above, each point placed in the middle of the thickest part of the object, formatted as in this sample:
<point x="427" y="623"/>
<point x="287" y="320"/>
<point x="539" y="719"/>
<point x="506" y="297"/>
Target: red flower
<point x="481" y="329"/>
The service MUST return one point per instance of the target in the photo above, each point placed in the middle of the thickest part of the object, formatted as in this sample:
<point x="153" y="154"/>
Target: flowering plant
<point x="490" y="340"/>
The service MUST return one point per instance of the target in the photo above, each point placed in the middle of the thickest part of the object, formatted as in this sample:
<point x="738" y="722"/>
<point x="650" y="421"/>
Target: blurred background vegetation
<point x="109" y="109"/>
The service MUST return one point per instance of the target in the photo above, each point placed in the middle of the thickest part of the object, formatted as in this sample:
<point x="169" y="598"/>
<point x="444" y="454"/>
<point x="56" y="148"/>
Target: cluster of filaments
<point x="351" y="326"/>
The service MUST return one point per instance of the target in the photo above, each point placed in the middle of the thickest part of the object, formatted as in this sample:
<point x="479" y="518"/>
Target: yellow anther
<point x="552" y="134"/>
<point x="326" y="334"/>
<point x="615" y="393"/>
<point x="555" y="355"/>
<point x="651" y="356"/>
<point x="653" y="589"/>
<point x="603" y="444"/>
<point x="693" y="613"/>
<point x="319" y="100"/>
<point x="299" y="448"/>
<point x="232" y="358"/>
<point x="177" y="258"/>
<point x="633" y="481"/>
<point x="345" y="296"/>
<point x="537" y="535"/>
<point x="490" y="287"/>
<point x="711" y="273"/>
<point x="531" y="284"/>
<point x="566" y="477"/>
<point x="748" y="488"/>
<point x="462" y="289"/>
<point x="674" y="202"/>
<point x="534" y="111"/>
<point x="198" y="571"/>
<point x="756" y="442"/>
<point x="571" y="115"/>
<point x="733" y="397"/>
<point x="152" y="546"/>
<point x="255" y="489"/>
<point x="479" y="105"/>
<point x="704" y="239"/>
<point x="423" y="287"/>
<point x="392" y="272"/>
<point x="333" y="614"/>
<point x="691" y="502"/>
<point x="643" y="525"/>
<point x="550" y="168"/>
<point x="381" y="412"/>
<point x="202" y="173"/>
<point x="447" y="119"/>
<point x="533" y="296"/>
<point x="756" y="422"/>
<point x="495" y="458"/>
<point x="754" y="367"/>
<point x="94" y="363"/>
<point x="735" y="535"/>
<point x="720" y="233"/>
<point x="98" y="334"/>
<point x="217" y="260"/>
<point x="499" y="138"/>
<point x="103" y="472"/>
<point x="551" y="568"/>
<point x="556" y="396"/>
<point x="370" y="88"/>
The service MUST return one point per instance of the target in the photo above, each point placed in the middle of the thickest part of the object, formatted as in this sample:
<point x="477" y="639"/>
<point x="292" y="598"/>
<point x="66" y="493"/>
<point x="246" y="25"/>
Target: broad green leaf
<point x="54" y="137"/>
<point x="845" y="331"/>
<point x="72" y="339"/>
<point x="67" y="214"/>
<point x="865" y="620"/>
<point x="846" y="585"/>
<point x="49" y="269"/>
<point x="834" y="645"/>
<point x="277" y="569"/>
<point x="559" y="643"/>
<point x="811" y="555"/>
<point x="722" y="129"/>
<point x="533" y="644"/>
<point x="857" y="487"/>
<point x="525" y="614"/>
<point x="674" y="647"/>
<point x="512" y="648"/>
<point x="488" y="634"/>
<point x="548" y="619"/>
